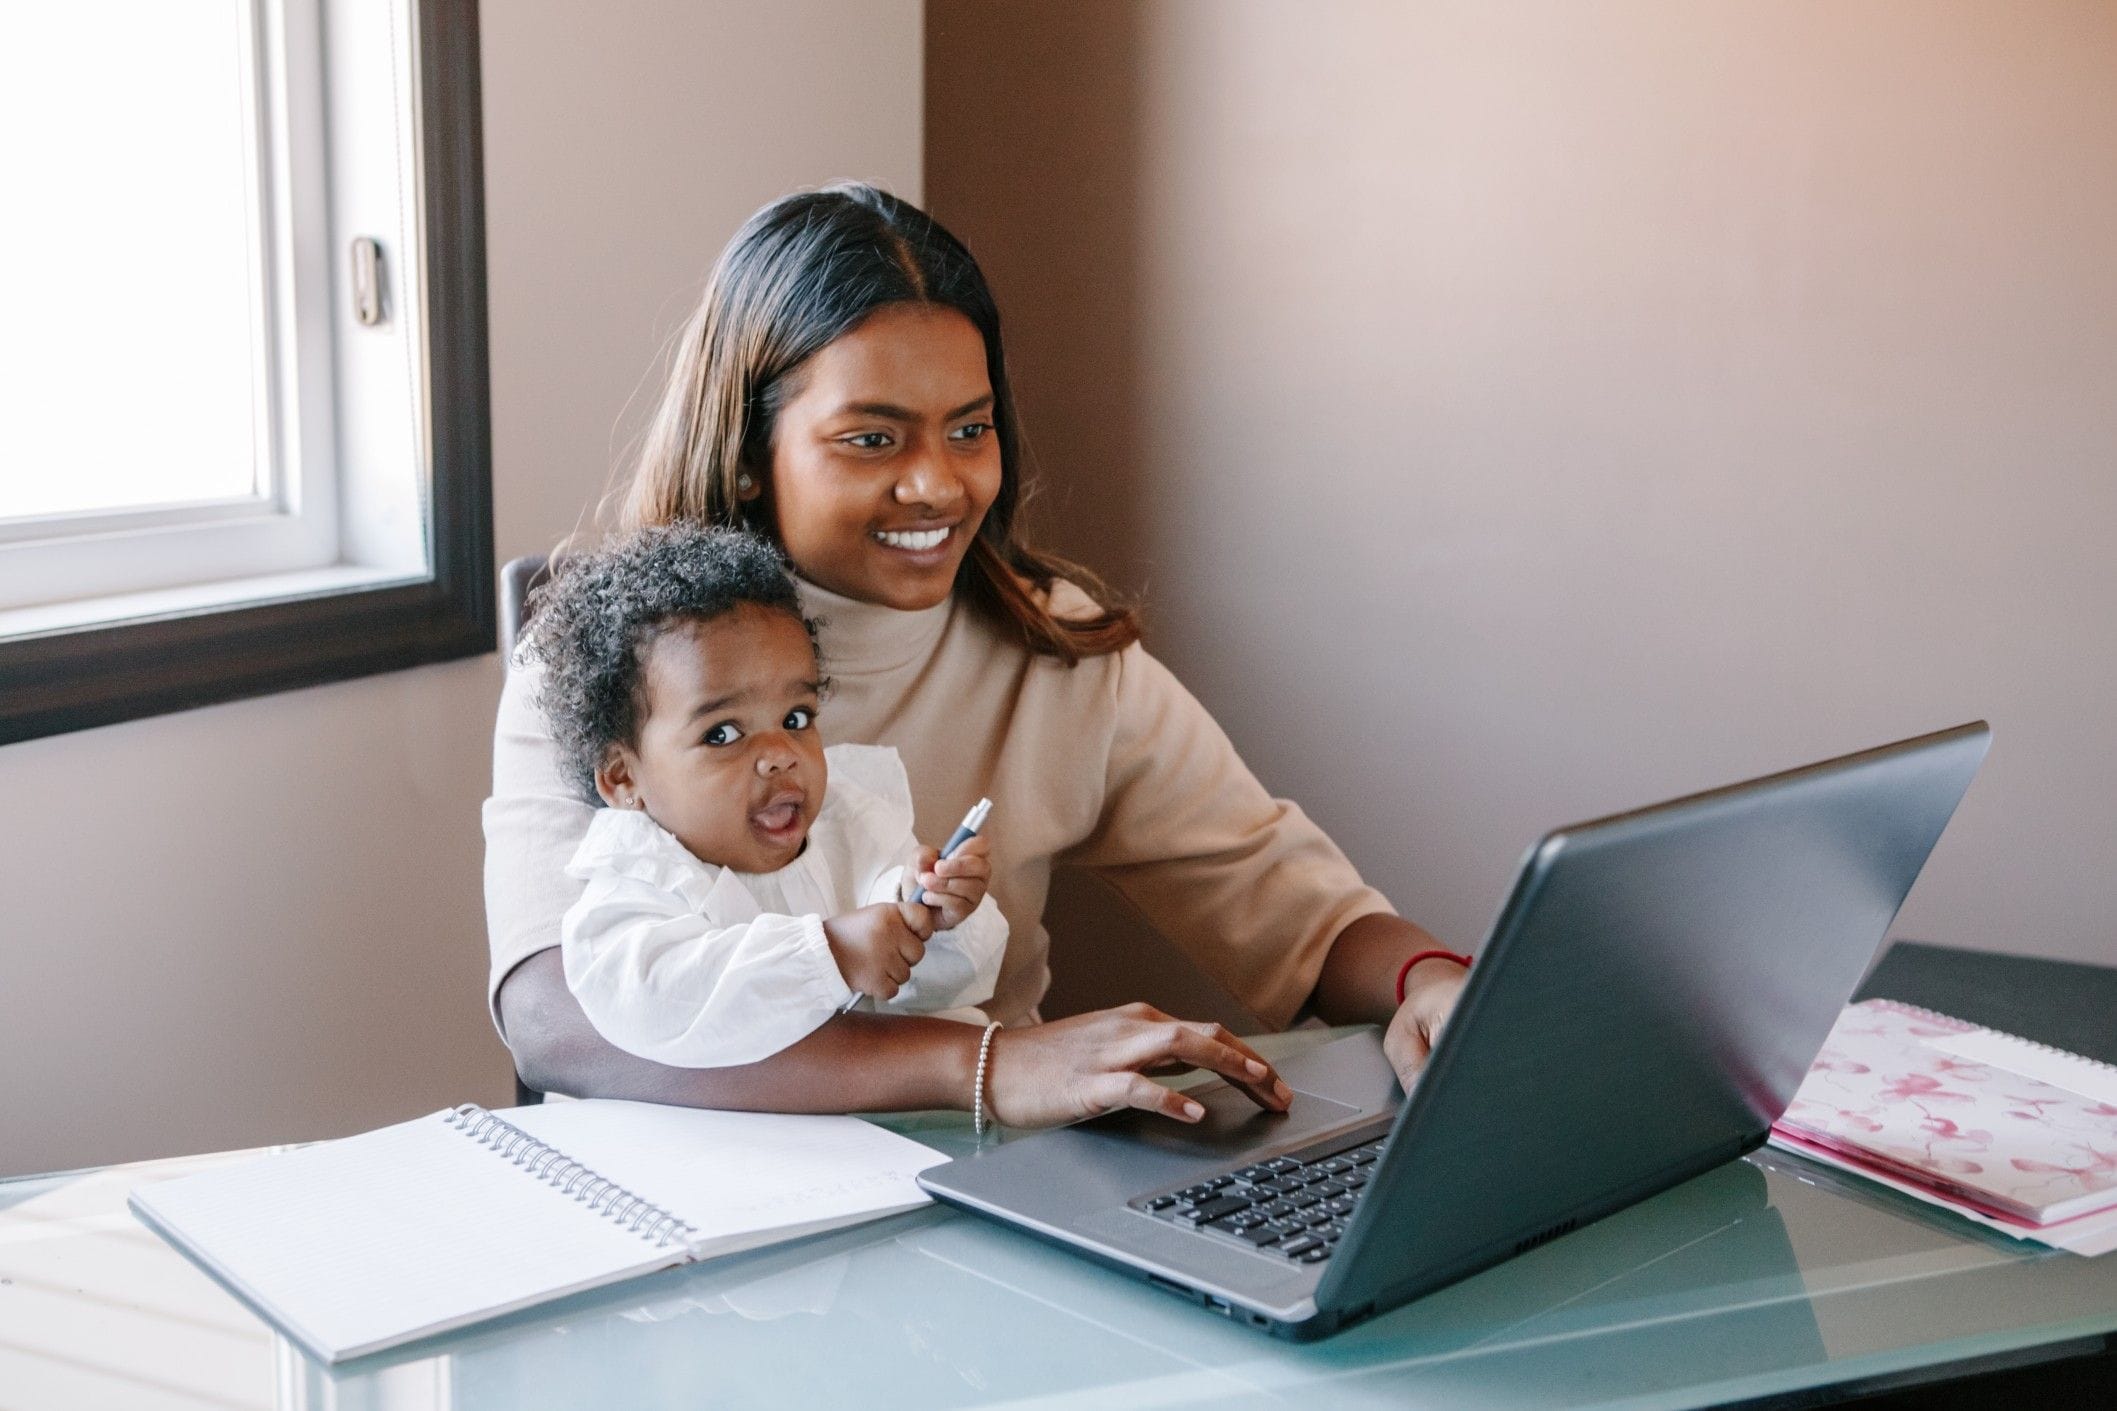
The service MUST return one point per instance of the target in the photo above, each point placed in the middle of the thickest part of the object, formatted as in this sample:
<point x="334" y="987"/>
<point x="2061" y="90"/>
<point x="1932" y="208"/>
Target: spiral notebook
<point x="2010" y="1130"/>
<point x="354" y="1246"/>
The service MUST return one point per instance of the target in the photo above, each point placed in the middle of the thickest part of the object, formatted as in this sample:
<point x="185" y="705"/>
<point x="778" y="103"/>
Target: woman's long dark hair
<point x="801" y="273"/>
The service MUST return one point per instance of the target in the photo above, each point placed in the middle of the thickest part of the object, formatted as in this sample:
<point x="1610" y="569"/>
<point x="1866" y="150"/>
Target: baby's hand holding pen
<point x="956" y="884"/>
<point x="928" y="896"/>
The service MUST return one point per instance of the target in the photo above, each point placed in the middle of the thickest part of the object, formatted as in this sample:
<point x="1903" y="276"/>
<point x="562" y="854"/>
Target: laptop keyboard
<point x="1292" y="1208"/>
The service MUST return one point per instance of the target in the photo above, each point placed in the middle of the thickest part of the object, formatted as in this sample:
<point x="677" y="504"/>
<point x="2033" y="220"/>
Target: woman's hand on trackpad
<point x="1068" y="1069"/>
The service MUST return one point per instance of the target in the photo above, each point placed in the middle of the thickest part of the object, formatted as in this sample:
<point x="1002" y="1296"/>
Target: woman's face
<point x="884" y="460"/>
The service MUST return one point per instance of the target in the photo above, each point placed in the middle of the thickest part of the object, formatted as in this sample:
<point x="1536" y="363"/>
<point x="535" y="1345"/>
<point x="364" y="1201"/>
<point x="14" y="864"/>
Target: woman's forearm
<point x="854" y="1063"/>
<point x="1359" y="980"/>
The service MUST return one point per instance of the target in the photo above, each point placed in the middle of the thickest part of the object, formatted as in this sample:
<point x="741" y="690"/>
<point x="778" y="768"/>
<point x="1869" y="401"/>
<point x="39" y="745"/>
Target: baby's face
<point x="728" y="757"/>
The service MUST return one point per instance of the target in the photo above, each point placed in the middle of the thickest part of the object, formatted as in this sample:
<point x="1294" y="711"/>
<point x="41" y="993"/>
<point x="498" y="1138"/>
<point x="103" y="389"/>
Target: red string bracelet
<point x="1432" y="954"/>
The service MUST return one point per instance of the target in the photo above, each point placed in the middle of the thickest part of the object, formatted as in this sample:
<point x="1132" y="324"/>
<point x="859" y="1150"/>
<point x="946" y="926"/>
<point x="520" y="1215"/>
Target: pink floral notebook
<point x="2007" y="1127"/>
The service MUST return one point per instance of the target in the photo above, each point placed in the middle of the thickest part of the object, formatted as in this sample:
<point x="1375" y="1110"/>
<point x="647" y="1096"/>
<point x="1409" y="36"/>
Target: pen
<point x="910" y="890"/>
<point x="965" y="831"/>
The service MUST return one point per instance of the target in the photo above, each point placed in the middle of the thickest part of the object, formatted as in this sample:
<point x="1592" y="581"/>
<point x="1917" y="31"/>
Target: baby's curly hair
<point x="593" y="621"/>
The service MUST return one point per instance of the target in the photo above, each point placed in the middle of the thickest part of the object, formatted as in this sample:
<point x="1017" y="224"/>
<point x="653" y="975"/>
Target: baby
<point x="733" y="905"/>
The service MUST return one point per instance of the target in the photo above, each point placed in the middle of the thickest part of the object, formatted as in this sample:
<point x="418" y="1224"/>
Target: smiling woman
<point x="842" y="390"/>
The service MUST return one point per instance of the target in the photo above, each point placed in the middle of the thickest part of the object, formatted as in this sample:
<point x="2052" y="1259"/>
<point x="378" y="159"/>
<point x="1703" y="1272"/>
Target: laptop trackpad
<point x="1232" y="1126"/>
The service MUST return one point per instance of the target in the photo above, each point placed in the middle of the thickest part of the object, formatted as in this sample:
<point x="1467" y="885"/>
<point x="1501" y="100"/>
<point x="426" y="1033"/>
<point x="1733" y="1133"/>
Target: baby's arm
<point x="658" y="980"/>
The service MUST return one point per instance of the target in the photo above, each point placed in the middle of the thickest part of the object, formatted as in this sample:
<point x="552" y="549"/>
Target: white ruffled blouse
<point x="700" y="966"/>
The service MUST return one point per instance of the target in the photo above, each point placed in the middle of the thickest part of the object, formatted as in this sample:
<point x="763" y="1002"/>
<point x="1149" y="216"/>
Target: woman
<point x="842" y="388"/>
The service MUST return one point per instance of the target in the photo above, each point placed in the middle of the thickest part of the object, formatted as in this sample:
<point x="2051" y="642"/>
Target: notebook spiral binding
<point x="569" y="1177"/>
<point x="1950" y="1021"/>
<point x="1931" y="1016"/>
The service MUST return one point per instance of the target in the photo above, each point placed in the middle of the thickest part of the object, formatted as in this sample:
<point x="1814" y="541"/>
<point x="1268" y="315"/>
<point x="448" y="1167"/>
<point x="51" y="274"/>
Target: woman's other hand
<point x="1430" y="992"/>
<point x="877" y="946"/>
<point x="1045" y="1074"/>
<point x="955" y="885"/>
<point x="1359" y="986"/>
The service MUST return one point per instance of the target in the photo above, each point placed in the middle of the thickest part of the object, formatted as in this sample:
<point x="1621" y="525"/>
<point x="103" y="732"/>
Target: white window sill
<point x="164" y="603"/>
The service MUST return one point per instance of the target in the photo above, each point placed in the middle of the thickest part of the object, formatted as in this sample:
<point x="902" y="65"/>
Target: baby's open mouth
<point x="780" y="817"/>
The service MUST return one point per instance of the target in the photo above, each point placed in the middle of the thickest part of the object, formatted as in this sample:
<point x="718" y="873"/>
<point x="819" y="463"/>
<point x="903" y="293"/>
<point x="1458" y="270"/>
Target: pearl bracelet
<point x="977" y="1094"/>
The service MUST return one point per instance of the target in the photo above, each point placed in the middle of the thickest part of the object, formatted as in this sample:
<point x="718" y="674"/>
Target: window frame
<point x="77" y="679"/>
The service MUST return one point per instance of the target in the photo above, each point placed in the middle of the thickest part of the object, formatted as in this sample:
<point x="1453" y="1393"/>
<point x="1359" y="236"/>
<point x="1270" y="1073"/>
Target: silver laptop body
<point x="1650" y="996"/>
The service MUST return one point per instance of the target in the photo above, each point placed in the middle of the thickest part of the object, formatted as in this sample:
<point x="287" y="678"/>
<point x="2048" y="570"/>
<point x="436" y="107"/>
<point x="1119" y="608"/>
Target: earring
<point x="744" y="483"/>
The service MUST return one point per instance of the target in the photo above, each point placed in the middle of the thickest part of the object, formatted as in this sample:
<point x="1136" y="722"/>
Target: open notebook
<point x="353" y="1246"/>
<point x="2010" y="1130"/>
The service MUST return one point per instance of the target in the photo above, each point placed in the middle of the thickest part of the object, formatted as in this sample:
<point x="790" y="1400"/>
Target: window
<point x="247" y="446"/>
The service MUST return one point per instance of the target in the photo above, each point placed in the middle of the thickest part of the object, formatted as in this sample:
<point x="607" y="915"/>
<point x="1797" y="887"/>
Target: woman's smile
<point x="921" y="549"/>
<point x="913" y="540"/>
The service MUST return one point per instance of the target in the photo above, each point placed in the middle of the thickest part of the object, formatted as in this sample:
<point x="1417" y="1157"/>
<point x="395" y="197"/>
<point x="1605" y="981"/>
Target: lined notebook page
<point x="358" y="1244"/>
<point x="738" y="1177"/>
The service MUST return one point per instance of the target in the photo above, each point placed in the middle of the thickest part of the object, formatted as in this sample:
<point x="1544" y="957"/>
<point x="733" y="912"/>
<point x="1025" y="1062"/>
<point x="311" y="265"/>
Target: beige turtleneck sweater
<point x="1109" y="765"/>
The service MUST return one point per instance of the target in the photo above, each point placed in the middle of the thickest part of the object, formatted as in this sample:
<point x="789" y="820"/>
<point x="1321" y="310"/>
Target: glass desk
<point x="1762" y="1282"/>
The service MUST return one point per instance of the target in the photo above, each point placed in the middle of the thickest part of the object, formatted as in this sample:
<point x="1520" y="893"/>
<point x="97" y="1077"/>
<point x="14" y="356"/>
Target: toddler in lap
<point x="734" y="903"/>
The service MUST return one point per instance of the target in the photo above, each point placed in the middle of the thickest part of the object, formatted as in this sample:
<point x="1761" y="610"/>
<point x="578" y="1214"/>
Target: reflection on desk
<point x="959" y="1312"/>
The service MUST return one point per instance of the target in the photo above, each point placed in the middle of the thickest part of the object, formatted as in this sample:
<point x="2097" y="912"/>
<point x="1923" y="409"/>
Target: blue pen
<point x="910" y="889"/>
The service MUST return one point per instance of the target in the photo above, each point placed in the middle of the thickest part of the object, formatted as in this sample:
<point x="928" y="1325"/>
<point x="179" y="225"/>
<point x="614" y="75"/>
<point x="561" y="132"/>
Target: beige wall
<point x="261" y="922"/>
<point x="1521" y="411"/>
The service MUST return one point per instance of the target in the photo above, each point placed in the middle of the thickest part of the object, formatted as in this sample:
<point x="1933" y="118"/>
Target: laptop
<point x="1649" y="998"/>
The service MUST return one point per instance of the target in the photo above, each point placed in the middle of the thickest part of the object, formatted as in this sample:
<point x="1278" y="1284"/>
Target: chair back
<point x="517" y="578"/>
